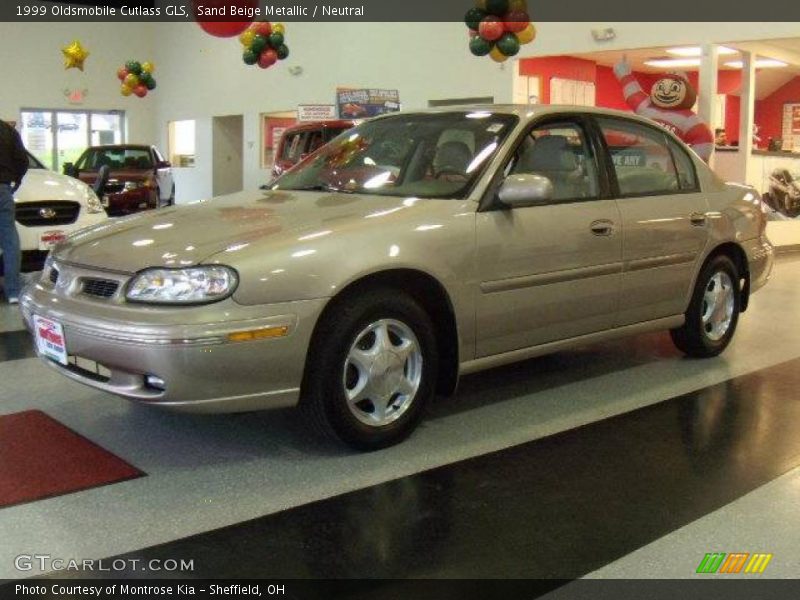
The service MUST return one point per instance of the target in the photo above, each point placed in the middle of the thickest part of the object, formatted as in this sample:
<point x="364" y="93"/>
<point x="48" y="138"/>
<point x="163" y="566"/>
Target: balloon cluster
<point x="498" y="28"/>
<point x="137" y="78"/>
<point x="264" y="44"/>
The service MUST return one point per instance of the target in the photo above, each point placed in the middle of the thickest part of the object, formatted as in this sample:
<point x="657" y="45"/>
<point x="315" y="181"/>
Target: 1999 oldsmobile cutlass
<point x="411" y="250"/>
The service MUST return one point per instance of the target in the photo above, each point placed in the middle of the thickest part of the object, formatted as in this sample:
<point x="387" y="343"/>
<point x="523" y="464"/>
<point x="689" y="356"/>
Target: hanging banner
<point x="364" y="103"/>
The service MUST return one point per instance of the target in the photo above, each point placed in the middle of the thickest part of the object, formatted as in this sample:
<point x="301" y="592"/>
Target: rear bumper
<point x="133" y="201"/>
<point x="761" y="258"/>
<point x="185" y="347"/>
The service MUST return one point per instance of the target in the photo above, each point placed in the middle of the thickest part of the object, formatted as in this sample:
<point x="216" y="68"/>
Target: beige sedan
<point x="411" y="250"/>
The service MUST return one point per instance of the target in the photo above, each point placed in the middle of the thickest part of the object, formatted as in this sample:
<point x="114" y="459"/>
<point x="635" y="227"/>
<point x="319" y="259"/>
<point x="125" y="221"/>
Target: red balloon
<point x="140" y="90"/>
<point x="214" y="22"/>
<point x="516" y="21"/>
<point x="262" y="28"/>
<point x="491" y="29"/>
<point x="122" y="73"/>
<point x="267" y="58"/>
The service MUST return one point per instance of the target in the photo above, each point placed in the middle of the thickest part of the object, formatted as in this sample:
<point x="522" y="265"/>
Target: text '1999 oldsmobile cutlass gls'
<point x="412" y="249"/>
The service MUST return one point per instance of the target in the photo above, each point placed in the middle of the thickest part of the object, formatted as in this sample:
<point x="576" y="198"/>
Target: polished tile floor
<point x="621" y="459"/>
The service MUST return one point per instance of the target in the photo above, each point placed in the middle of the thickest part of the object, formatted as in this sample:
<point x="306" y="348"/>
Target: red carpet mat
<point x="40" y="458"/>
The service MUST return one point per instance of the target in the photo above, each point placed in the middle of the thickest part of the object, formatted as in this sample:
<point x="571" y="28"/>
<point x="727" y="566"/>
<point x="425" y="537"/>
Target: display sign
<point x="316" y="112"/>
<point x="791" y="126"/>
<point x="364" y="103"/>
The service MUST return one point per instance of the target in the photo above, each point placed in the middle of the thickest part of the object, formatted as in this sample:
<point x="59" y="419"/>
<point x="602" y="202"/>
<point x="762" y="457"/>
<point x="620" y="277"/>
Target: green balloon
<point x="497" y="7"/>
<point x="150" y="84"/>
<point x="259" y="43"/>
<point x="508" y="44"/>
<point x="282" y="51"/>
<point x="276" y="40"/>
<point x="479" y="46"/>
<point x="134" y="66"/>
<point x="250" y="57"/>
<point x="145" y="77"/>
<point x="474" y="17"/>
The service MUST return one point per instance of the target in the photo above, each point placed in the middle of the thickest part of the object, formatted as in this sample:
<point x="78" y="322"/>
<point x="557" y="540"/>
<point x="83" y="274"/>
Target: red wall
<point x="566" y="67"/>
<point x="769" y="111"/>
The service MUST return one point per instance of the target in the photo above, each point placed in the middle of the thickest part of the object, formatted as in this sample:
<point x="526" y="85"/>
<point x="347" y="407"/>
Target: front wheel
<point x="371" y="370"/>
<point x="713" y="311"/>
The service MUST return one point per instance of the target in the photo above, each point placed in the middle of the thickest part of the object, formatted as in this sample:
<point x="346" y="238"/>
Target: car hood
<point x="41" y="185"/>
<point x="189" y="234"/>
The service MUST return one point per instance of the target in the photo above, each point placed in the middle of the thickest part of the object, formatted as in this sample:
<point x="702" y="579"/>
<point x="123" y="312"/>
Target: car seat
<point x="551" y="157"/>
<point x="452" y="158"/>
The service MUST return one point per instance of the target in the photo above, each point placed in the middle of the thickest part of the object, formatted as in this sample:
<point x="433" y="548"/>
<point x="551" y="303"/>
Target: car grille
<point x="53" y="275"/>
<point x="100" y="288"/>
<point x="44" y="214"/>
<point x="114" y="187"/>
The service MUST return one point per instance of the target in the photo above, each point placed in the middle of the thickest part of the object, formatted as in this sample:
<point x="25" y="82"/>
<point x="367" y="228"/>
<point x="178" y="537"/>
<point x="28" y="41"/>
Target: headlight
<point x="196" y="285"/>
<point x="129" y="186"/>
<point x="93" y="203"/>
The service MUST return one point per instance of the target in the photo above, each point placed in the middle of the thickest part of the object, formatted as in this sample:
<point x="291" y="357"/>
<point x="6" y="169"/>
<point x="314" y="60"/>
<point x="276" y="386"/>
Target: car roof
<point x="527" y="111"/>
<point x="120" y="147"/>
<point x="313" y="125"/>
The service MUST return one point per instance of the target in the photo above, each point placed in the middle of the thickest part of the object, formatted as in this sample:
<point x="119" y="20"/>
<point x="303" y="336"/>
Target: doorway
<point x="228" y="154"/>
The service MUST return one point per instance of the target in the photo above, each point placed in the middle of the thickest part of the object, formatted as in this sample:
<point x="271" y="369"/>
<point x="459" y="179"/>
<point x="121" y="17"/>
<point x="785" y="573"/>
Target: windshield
<point x="116" y="158"/>
<point x="438" y="155"/>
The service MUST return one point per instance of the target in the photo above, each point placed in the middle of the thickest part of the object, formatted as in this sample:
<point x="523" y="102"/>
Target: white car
<point x="49" y="206"/>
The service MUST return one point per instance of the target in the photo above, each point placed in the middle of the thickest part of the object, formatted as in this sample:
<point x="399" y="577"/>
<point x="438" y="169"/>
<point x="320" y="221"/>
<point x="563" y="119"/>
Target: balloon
<point x="140" y="90"/>
<point x="474" y="17"/>
<point x="223" y="28"/>
<point x="498" y="56"/>
<point x="267" y="58"/>
<point x="279" y="28"/>
<point x="262" y="28"/>
<point x="148" y="67"/>
<point x="491" y="28"/>
<point x="125" y="90"/>
<point x="259" y="43"/>
<point x="134" y="66"/>
<point x="131" y="80"/>
<point x="276" y="40"/>
<point x="479" y="46"/>
<point x="516" y="21"/>
<point x="497" y="7"/>
<point x="122" y="73"/>
<point x="527" y="35"/>
<point x="246" y="37"/>
<point x="481" y="4"/>
<point x="150" y="84"/>
<point x="74" y="55"/>
<point x="250" y="57"/>
<point x="508" y="44"/>
<point x="518" y="5"/>
<point x="282" y="51"/>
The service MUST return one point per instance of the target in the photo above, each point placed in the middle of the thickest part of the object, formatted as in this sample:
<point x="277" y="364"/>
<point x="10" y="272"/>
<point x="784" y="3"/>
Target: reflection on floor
<point x="611" y="488"/>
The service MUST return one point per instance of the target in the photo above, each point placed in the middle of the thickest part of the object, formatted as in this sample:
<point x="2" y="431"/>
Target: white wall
<point x="33" y="75"/>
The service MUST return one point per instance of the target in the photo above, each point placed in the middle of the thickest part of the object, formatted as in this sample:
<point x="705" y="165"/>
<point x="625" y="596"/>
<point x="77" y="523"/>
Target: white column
<point x="707" y="94"/>
<point x="746" y="114"/>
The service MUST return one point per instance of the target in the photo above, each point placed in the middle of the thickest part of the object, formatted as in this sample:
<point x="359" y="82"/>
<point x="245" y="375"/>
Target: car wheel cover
<point x="718" y="306"/>
<point x="382" y="372"/>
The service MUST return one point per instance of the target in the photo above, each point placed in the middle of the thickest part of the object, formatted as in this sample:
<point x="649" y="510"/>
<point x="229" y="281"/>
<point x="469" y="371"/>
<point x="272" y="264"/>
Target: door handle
<point x="602" y="227"/>
<point x="698" y="219"/>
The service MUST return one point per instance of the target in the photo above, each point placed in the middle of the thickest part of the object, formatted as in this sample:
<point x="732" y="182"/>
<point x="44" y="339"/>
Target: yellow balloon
<point x="481" y="4"/>
<point x="498" y="56"/>
<point x="148" y="67"/>
<point x="527" y="35"/>
<point x="74" y="55"/>
<point x="125" y="90"/>
<point x="131" y="80"/>
<point x="246" y="37"/>
<point x="279" y="28"/>
<point x="518" y="5"/>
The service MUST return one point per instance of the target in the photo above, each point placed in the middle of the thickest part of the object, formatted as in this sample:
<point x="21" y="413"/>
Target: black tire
<point x="695" y="338"/>
<point x="323" y="401"/>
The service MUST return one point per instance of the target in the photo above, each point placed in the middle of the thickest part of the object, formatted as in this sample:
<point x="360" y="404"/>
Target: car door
<point x="664" y="218"/>
<point x="163" y="175"/>
<point x="552" y="271"/>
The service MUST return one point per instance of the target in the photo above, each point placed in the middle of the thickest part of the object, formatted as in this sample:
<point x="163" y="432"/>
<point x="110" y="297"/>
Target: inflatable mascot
<point x="669" y="104"/>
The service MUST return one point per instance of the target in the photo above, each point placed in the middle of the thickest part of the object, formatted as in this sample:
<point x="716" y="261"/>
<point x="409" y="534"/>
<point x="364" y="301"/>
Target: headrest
<point x="551" y="153"/>
<point x="452" y="156"/>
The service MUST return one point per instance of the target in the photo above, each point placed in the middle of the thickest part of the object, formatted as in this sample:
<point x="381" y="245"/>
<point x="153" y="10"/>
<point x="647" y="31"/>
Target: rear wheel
<point x="713" y="311"/>
<point x="371" y="370"/>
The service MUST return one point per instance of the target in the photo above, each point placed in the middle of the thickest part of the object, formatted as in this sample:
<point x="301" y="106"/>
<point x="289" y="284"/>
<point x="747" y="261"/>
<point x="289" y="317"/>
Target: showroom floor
<point x="621" y="459"/>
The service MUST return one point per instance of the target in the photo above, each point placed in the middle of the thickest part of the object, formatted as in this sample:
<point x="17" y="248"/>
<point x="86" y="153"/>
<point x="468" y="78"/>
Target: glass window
<point x="117" y="158"/>
<point x="687" y="176"/>
<point x="642" y="159"/>
<point x="419" y="155"/>
<point x="294" y="146"/>
<point x="182" y="143"/>
<point x="560" y="153"/>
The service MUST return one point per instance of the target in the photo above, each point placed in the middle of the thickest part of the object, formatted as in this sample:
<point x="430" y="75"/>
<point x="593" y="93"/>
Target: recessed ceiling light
<point x="698" y="51"/>
<point x="673" y="62"/>
<point x="761" y="63"/>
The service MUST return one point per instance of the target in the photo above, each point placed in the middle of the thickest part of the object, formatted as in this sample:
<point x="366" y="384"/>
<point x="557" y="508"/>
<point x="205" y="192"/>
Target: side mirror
<point x="163" y="164"/>
<point x="519" y="191"/>
<point x="69" y="169"/>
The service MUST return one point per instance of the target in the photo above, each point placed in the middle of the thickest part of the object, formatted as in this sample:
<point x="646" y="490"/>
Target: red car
<point x="303" y="139"/>
<point x="139" y="177"/>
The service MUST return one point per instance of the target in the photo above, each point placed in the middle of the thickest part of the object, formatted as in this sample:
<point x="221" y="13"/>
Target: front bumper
<point x="186" y="347"/>
<point x="119" y="204"/>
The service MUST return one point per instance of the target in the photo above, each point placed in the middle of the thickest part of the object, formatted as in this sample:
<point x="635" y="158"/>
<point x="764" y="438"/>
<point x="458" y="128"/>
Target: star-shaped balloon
<point x="74" y="55"/>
